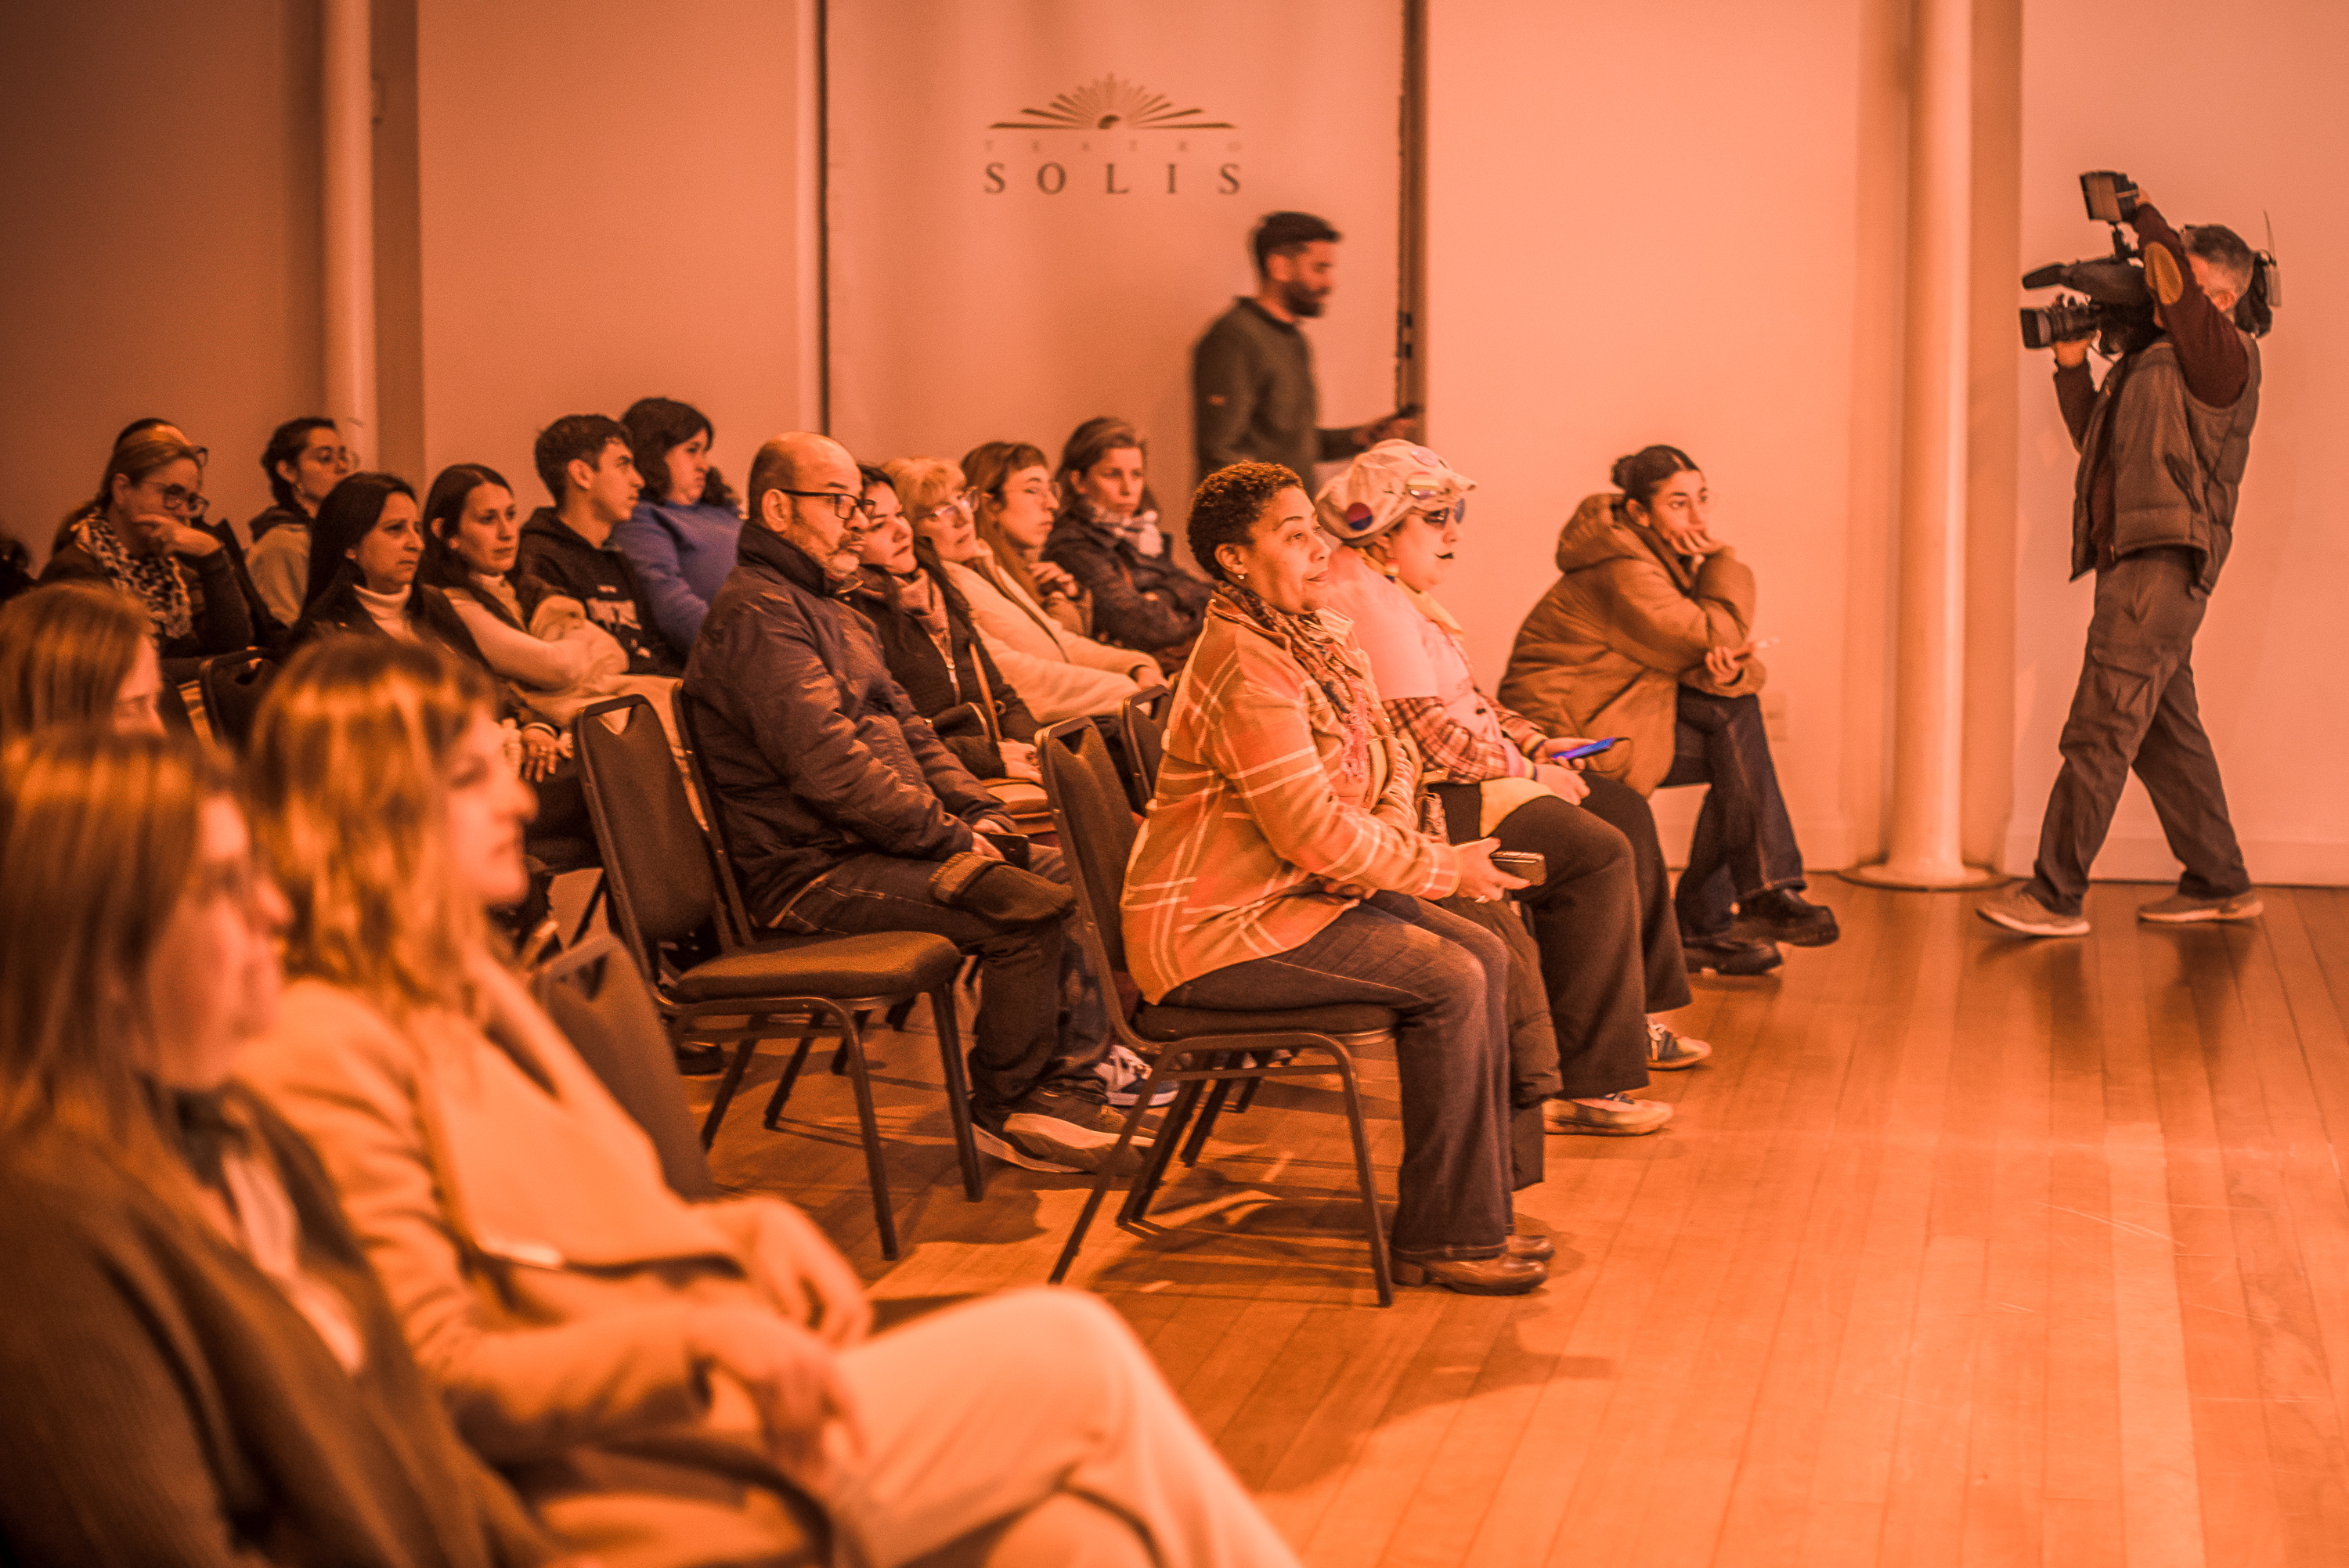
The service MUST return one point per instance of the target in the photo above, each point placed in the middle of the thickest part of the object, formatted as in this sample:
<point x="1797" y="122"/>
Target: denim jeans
<point x="1745" y="841"/>
<point x="2135" y="707"/>
<point x="1029" y="977"/>
<point x="1449" y="981"/>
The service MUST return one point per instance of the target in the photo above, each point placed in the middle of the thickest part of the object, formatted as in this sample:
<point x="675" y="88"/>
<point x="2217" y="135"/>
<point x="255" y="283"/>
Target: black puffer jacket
<point x="1147" y="602"/>
<point x="933" y="685"/>
<point x="816" y="753"/>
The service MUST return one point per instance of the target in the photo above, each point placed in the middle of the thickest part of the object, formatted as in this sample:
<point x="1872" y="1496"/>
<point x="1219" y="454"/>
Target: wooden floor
<point x="1962" y="1249"/>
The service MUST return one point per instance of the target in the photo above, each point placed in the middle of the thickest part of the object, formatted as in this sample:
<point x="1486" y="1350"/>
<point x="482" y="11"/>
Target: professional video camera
<point x="2116" y="308"/>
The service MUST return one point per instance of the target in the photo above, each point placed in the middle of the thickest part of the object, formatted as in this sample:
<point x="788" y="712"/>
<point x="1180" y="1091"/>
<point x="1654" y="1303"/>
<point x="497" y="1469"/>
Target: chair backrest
<point x="656" y="860"/>
<point x="233" y="686"/>
<point x="721" y="847"/>
<point x="598" y="999"/>
<point x="1097" y="830"/>
<point x="1144" y="723"/>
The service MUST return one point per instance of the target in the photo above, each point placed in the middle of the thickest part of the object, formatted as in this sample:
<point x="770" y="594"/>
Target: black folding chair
<point x="671" y="905"/>
<point x="1192" y="1047"/>
<point x="233" y="685"/>
<point x="599" y="998"/>
<point x="1142" y="722"/>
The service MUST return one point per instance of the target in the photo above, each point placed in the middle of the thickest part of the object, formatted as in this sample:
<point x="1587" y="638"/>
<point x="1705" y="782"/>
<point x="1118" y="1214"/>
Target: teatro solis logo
<point x="1111" y="138"/>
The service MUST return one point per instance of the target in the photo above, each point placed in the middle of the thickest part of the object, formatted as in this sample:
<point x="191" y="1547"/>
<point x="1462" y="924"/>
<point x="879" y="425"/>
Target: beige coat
<point x="1058" y="674"/>
<point x="1623" y="628"/>
<point x="540" y="1267"/>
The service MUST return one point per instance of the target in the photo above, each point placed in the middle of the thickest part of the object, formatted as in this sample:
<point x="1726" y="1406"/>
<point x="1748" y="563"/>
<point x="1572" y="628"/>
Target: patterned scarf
<point x="155" y="580"/>
<point x="1315" y="649"/>
<point x="1141" y="530"/>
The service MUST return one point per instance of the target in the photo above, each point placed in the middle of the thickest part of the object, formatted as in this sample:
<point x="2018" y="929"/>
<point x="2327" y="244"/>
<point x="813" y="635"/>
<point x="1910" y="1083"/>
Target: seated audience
<point x="366" y="543"/>
<point x="541" y="644"/>
<point x="1107" y="537"/>
<point x="1609" y="950"/>
<point x="200" y="1365"/>
<point x="1029" y="609"/>
<point x="584" y="460"/>
<point x="1015" y="517"/>
<point x="1281" y="865"/>
<point x="1648" y="635"/>
<point x="304" y="460"/>
<point x="681" y="538"/>
<point x="669" y="1383"/>
<point x="927" y="638"/>
<point x="140" y="535"/>
<point x="848" y="814"/>
<point x="75" y="653"/>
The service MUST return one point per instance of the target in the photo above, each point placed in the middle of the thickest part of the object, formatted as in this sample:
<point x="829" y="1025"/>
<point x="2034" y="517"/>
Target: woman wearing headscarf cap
<point x="1611" y="949"/>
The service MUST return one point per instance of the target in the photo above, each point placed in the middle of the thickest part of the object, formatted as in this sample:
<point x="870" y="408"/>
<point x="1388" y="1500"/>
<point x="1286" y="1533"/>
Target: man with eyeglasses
<point x="848" y="814"/>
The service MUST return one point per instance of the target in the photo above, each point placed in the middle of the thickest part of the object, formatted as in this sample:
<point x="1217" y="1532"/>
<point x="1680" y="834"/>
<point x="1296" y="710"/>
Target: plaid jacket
<point x="1255" y="827"/>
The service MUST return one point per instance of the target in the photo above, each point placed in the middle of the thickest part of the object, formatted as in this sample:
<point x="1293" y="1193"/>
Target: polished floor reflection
<point x="1962" y="1250"/>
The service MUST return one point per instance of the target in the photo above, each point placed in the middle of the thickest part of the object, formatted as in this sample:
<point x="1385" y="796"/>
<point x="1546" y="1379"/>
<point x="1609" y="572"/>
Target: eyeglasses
<point x="844" y="505"/>
<point x="1451" y="516"/>
<point x="959" y="506"/>
<point x="184" y="501"/>
<point x="339" y="456"/>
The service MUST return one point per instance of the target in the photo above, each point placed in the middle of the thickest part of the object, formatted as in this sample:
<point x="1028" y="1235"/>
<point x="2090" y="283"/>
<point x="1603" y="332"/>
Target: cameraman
<point x="2162" y="446"/>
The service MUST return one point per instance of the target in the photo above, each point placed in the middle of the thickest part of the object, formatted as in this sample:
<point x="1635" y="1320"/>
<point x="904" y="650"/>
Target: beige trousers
<point x="1032" y="1427"/>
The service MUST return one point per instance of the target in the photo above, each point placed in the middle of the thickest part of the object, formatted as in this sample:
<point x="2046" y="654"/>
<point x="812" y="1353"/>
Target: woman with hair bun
<point x="1648" y="635"/>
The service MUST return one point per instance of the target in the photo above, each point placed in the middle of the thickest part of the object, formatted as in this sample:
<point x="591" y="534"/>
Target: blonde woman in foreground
<point x="669" y="1383"/>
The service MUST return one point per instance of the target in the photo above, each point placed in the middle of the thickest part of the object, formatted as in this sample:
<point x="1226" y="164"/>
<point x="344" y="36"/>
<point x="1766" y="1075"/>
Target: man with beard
<point x="1252" y="395"/>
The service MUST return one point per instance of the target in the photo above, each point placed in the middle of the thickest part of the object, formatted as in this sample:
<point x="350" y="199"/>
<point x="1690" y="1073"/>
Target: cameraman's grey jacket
<point x="2177" y="462"/>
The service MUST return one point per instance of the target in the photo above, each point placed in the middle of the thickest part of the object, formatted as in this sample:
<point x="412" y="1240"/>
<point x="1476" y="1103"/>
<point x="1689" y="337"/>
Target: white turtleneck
<point x="389" y="610"/>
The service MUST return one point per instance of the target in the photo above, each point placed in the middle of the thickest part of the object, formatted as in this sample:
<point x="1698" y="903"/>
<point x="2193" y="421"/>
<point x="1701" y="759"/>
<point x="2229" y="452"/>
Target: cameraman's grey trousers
<point x="2135" y="707"/>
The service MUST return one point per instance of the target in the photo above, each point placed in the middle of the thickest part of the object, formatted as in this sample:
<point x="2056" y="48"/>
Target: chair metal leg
<point x="876" y="1172"/>
<point x="1375" y="1221"/>
<point x="957" y="1082"/>
<point x="726" y="1087"/>
<point x="1153" y="1176"/>
<point x="1197" y="1142"/>
<point x="1101" y="1187"/>
<point x="773" y="1118"/>
<point x="1247" y="1096"/>
<point x="895" y="1016"/>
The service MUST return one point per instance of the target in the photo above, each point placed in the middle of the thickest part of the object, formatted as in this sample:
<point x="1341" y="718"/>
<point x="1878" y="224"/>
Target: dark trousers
<point x="1448" y="980"/>
<point x="1585" y="921"/>
<point x="1745" y="841"/>
<point x="1029" y="976"/>
<point x="2134" y="708"/>
<point x="1626" y="810"/>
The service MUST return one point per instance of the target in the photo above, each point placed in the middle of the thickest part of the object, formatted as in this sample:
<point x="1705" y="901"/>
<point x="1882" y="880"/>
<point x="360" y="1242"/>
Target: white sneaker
<point x="2016" y="910"/>
<point x="2180" y="910"/>
<point x="1123" y="1074"/>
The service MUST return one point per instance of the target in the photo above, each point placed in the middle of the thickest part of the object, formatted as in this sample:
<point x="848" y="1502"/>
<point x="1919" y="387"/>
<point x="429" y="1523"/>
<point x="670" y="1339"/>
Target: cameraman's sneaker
<point x="2016" y="910"/>
<point x="1123" y="1074"/>
<point x="1068" y="1131"/>
<point x="2180" y="910"/>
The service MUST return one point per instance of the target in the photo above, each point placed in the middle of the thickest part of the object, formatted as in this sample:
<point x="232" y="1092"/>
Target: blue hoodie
<point x="682" y="554"/>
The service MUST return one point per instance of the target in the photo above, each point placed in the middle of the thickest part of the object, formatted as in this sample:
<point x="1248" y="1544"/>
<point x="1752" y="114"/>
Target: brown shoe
<point x="1504" y="1275"/>
<point x="2180" y="910"/>
<point x="1533" y="1249"/>
<point x="1609" y="1116"/>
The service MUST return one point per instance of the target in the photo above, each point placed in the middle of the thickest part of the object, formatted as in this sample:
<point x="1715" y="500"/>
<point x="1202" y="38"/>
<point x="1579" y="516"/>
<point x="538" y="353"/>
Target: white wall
<point x="2221" y="113"/>
<point x="1643" y="227"/>
<point x="610" y="209"/>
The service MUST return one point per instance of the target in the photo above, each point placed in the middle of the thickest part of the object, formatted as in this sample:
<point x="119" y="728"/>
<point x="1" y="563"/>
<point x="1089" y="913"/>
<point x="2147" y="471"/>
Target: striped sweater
<point x="1256" y="833"/>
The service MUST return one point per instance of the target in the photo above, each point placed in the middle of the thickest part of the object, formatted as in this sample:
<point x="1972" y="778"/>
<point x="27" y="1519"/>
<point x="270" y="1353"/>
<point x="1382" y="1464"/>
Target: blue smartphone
<point x="1588" y="748"/>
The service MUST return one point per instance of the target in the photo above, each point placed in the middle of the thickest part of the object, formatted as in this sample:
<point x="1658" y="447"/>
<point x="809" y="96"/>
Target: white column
<point x="347" y="203"/>
<point x="1929" y="691"/>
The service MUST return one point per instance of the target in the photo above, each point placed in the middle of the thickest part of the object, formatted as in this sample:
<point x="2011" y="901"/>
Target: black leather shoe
<point x="1782" y="914"/>
<point x="1533" y="1249"/>
<point x="700" y="1061"/>
<point x="1504" y="1275"/>
<point x="1730" y="955"/>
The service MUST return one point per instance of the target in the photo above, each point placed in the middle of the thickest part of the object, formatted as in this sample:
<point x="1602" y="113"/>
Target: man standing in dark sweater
<point x="1252" y="392"/>
<point x="586" y="465"/>
<point x="2162" y="448"/>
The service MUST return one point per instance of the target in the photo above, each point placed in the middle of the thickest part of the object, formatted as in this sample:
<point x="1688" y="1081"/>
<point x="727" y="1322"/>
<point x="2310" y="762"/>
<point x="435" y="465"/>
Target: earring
<point x="1239" y="576"/>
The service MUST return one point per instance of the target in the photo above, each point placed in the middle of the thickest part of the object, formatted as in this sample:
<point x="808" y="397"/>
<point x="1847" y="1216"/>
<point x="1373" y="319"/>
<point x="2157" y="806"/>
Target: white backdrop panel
<point x="1027" y="228"/>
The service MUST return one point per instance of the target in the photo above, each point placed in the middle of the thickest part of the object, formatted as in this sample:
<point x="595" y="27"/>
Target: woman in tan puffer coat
<point x="1648" y="635"/>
